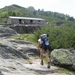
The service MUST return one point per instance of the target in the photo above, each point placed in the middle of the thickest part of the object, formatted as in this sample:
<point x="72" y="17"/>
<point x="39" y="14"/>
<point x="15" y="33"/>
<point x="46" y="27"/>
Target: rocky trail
<point x="15" y="53"/>
<point x="11" y="64"/>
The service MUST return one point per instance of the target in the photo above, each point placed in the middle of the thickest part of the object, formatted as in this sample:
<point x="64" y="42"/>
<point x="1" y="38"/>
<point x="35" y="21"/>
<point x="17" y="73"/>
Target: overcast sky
<point x="61" y="6"/>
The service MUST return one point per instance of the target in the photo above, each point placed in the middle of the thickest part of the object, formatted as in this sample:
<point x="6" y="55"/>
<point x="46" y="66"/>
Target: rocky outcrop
<point x="64" y="57"/>
<point x="16" y="49"/>
<point x="26" y="28"/>
<point x="14" y="54"/>
<point x="6" y="31"/>
<point x="8" y="50"/>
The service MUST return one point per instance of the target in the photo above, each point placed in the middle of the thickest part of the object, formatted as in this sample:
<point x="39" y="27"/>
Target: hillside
<point x="20" y="57"/>
<point x="52" y="17"/>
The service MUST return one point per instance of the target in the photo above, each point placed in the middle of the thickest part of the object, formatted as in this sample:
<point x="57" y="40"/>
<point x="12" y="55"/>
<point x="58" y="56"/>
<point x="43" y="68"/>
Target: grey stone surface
<point x="64" y="57"/>
<point x="14" y="53"/>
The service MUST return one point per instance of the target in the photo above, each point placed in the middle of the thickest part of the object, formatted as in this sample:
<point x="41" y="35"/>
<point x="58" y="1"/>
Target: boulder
<point x="8" y="50"/>
<point x="6" y="31"/>
<point x="63" y="57"/>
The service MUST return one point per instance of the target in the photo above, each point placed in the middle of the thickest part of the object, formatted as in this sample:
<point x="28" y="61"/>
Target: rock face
<point x="6" y="51"/>
<point x="6" y="31"/>
<point x="16" y="49"/>
<point x="26" y="28"/>
<point x="64" y="57"/>
<point x="15" y="53"/>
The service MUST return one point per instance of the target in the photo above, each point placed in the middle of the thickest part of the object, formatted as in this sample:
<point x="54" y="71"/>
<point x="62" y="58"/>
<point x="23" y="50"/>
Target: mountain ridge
<point x="16" y="10"/>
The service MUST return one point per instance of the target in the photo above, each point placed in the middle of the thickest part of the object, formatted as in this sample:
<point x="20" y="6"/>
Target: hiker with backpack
<point x="44" y="48"/>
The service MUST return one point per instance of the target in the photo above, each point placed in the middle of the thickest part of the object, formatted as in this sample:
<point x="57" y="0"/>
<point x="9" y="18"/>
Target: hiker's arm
<point x="38" y="46"/>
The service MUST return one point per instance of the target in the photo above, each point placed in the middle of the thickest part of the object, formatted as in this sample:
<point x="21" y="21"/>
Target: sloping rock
<point x="8" y="50"/>
<point x="16" y="48"/>
<point x="11" y="58"/>
<point x="6" y="31"/>
<point x="63" y="57"/>
<point x="13" y="54"/>
<point x="26" y="48"/>
<point x="73" y="57"/>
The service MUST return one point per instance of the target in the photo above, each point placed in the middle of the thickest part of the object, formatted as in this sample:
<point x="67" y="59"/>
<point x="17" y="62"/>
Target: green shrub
<point x="59" y="36"/>
<point x="26" y="37"/>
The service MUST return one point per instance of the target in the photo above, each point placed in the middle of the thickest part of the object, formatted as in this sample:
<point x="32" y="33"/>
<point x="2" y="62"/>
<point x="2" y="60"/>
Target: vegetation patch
<point x="26" y="37"/>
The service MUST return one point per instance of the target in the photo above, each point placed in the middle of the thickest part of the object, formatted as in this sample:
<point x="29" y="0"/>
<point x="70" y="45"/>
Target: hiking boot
<point x="48" y="65"/>
<point x="42" y="62"/>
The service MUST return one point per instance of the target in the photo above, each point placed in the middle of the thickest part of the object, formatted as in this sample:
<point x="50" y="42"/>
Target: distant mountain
<point x="31" y="8"/>
<point x="13" y="6"/>
<point x="13" y="10"/>
<point x="16" y="10"/>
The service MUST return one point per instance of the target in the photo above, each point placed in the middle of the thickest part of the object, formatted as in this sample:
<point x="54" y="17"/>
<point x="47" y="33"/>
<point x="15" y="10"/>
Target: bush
<point x="59" y="36"/>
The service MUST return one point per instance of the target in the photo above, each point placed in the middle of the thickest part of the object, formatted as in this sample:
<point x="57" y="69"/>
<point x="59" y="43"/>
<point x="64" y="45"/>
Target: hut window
<point x="20" y="21"/>
<point x="31" y="21"/>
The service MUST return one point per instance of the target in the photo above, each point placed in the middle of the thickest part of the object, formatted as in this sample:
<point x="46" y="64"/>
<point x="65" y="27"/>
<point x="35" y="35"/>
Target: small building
<point x="4" y="19"/>
<point x="25" y="20"/>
